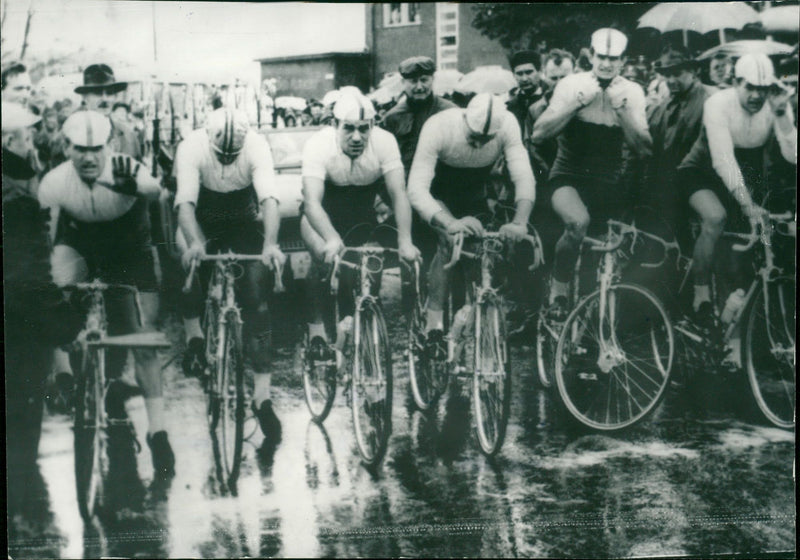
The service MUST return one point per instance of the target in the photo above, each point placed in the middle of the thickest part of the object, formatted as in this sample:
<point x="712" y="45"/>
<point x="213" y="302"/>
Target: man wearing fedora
<point x="99" y="92"/>
<point x="674" y="126"/>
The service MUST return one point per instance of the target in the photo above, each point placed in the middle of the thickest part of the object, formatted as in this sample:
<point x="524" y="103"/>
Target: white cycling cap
<point x="16" y="116"/>
<point x="485" y="113"/>
<point x="353" y="106"/>
<point x="226" y="130"/>
<point x="609" y="42"/>
<point x="88" y="129"/>
<point x="755" y="69"/>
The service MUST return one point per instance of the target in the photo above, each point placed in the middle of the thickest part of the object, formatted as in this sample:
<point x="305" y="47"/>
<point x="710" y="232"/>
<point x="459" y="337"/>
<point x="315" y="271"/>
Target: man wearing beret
<point x="36" y="316"/>
<point x="528" y="91"/>
<point x="405" y="121"/>
<point x="102" y="230"/>
<point x="674" y="126"/>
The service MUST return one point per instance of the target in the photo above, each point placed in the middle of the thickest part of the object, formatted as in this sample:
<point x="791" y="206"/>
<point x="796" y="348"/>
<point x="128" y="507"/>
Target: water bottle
<point x="733" y="306"/>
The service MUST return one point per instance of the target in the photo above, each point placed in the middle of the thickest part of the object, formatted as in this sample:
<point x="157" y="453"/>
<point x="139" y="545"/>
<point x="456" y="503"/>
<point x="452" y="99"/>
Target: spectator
<point x="584" y="63"/>
<point x="65" y="110"/>
<point x="528" y="91"/>
<point x="557" y="64"/>
<point x="16" y="84"/>
<point x="46" y="137"/>
<point x="720" y="73"/>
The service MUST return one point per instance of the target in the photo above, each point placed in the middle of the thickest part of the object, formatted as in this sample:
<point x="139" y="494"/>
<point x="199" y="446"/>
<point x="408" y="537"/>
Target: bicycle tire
<point x="769" y="351"/>
<point x="491" y="373"/>
<point x="231" y="400"/>
<point x="625" y="393"/>
<point x="90" y="444"/>
<point x="319" y="384"/>
<point x="428" y="380"/>
<point x="371" y="383"/>
<point x="546" y="343"/>
<point x="211" y="328"/>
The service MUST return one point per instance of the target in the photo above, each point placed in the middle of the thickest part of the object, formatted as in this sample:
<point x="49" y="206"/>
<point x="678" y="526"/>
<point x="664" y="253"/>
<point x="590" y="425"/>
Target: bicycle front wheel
<point x="319" y="383"/>
<point x="614" y="357"/>
<point x="769" y="351"/>
<point x="91" y="458"/>
<point x="371" y="394"/>
<point x="231" y="400"/>
<point x="491" y="385"/>
<point x="428" y="376"/>
<point x="547" y="334"/>
<point x="211" y="320"/>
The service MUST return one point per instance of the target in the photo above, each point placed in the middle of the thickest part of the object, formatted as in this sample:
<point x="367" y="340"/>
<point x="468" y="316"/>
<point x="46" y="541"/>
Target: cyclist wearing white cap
<point x="103" y="231"/>
<point x="344" y="167"/>
<point x="225" y="181"/>
<point x="455" y="155"/>
<point x="724" y="169"/>
<point x="592" y="113"/>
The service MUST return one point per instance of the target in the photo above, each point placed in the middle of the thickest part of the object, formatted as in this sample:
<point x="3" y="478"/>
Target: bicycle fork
<point x="610" y="355"/>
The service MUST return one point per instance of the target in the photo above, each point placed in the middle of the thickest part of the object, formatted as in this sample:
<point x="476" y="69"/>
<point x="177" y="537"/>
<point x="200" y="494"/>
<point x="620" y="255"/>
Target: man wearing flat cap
<point x="674" y="126"/>
<point x="98" y="198"/>
<point x="405" y="121"/>
<point x="529" y="89"/>
<point x="36" y="316"/>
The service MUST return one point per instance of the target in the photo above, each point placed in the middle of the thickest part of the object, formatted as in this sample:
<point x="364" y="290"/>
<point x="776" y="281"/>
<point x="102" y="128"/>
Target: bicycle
<point x="91" y="423"/>
<point x="369" y="385"/>
<point x="767" y="314"/>
<point x="224" y="380"/>
<point x="614" y="352"/>
<point x="476" y="345"/>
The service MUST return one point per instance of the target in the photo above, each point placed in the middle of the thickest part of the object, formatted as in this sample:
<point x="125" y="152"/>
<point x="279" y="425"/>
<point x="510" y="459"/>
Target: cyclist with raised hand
<point x="99" y="198"/>
<point x="722" y="176"/>
<point x="455" y="155"/>
<point x="225" y="181"/>
<point x="593" y="113"/>
<point x="344" y="167"/>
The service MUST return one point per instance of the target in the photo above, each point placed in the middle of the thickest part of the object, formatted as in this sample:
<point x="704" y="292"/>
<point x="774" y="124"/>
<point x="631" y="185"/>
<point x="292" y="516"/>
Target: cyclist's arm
<point x="263" y="174"/>
<point x="721" y="148"/>
<point x="313" y="191"/>
<point x="632" y="119"/>
<point x="187" y="221"/>
<point x="559" y="112"/>
<point x="270" y="208"/>
<point x="786" y="133"/>
<point x="519" y="168"/>
<point x="423" y="169"/>
<point x="395" y="185"/>
<point x="188" y="179"/>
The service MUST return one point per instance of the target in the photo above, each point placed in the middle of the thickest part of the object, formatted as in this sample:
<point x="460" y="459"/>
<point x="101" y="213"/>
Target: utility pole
<point x="27" y="30"/>
<point x="155" y="43"/>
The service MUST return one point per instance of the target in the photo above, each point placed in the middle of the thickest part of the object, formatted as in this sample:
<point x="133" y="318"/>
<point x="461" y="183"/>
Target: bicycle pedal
<point x="585" y="376"/>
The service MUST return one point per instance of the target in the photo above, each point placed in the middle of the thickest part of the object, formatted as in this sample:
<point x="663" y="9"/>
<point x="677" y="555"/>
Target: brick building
<point x="441" y="30"/>
<point x="315" y="74"/>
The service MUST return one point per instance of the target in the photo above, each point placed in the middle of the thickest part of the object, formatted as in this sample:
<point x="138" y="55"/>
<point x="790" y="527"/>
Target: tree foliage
<point x="568" y="26"/>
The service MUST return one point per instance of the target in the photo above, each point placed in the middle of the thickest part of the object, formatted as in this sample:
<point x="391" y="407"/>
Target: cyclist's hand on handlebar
<point x="466" y="225"/>
<point x="408" y="251"/>
<point x="272" y="254"/>
<point x="513" y="231"/>
<point x="332" y="248"/>
<point x="195" y="251"/>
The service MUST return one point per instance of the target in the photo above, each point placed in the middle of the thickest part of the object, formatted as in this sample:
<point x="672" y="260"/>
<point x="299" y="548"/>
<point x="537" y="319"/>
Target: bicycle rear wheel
<point x="428" y="377"/>
<point x="372" y="383"/>
<point x="231" y="400"/>
<point x="91" y="458"/>
<point x="491" y="377"/>
<point x="613" y="364"/>
<point x="319" y="383"/>
<point x="769" y="351"/>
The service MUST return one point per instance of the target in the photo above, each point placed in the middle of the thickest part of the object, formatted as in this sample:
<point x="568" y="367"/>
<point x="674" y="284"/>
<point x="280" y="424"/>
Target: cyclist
<point x="103" y="231"/>
<point x="456" y="152"/>
<point x="344" y="167"/>
<point x="225" y="181"/>
<point x="592" y="113"/>
<point x="722" y="175"/>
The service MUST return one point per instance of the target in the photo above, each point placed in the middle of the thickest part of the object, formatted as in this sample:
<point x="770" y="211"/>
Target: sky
<point x="194" y="36"/>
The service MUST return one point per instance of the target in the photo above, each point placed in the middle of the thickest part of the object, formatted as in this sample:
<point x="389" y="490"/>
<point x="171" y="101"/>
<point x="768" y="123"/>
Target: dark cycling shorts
<point x="603" y="200"/>
<point x="462" y="190"/>
<point x="229" y="221"/>
<point x="117" y="251"/>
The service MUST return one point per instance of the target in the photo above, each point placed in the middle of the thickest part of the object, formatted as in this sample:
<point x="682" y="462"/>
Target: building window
<point x="396" y="14"/>
<point x="446" y="35"/>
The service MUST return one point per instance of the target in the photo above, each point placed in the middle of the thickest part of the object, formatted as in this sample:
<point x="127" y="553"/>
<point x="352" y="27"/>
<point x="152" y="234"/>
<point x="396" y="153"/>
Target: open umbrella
<point x="289" y="102"/>
<point x="487" y="79"/>
<point x="781" y="19"/>
<point x="735" y="49"/>
<point x="445" y="81"/>
<point x="331" y="97"/>
<point x="700" y="17"/>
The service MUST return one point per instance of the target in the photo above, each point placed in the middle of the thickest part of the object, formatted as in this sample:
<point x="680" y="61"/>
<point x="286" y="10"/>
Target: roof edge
<point x="313" y="56"/>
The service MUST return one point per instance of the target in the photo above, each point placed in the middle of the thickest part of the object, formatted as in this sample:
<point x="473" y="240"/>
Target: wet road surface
<point x="699" y="478"/>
